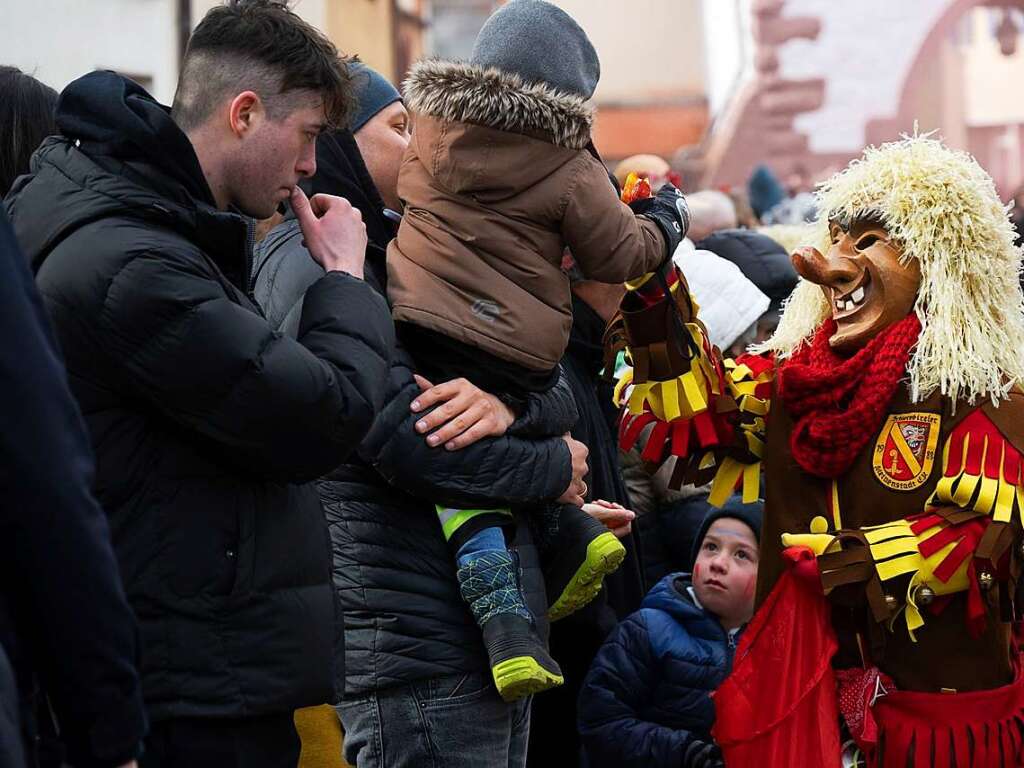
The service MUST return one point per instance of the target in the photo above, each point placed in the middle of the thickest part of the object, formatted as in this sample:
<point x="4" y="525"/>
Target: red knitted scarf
<point x="838" y="403"/>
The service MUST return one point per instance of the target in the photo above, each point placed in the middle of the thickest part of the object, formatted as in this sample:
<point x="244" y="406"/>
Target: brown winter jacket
<point x="497" y="181"/>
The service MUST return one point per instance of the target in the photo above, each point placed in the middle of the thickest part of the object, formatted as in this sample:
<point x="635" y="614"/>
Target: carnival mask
<point x="864" y="280"/>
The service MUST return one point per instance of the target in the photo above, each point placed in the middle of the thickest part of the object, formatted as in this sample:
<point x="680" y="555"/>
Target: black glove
<point x="702" y="754"/>
<point x="668" y="210"/>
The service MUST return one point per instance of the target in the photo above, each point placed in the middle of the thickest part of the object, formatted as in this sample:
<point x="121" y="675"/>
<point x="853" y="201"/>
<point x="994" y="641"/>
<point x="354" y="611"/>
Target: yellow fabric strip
<point x="1003" y="512"/>
<point x="964" y="491"/>
<point x="632" y="285"/>
<point x="837" y="518"/>
<point x="754" y="405"/>
<point x="901" y="566"/>
<point x="877" y="533"/>
<point x="725" y="481"/>
<point x="637" y="397"/>
<point x="670" y="401"/>
<point x="694" y="394"/>
<point x="620" y="386"/>
<point x="987" y="495"/>
<point x="944" y="490"/>
<point x="751" y="483"/>
<point x="740" y="372"/>
<point x="902" y="546"/>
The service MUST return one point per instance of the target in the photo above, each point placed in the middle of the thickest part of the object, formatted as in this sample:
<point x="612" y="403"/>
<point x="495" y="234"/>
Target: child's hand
<point x="466" y="413"/>
<point x="615" y="517"/>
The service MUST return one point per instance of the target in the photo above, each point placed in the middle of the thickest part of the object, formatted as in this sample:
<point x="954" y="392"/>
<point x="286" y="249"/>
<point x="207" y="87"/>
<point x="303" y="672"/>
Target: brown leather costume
<point x="945" y="655"/>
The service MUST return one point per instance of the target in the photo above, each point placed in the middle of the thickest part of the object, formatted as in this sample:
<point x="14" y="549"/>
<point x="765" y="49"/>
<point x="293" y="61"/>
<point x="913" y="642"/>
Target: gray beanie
<point x="372" y="93"/>
<point x="541" y="43"/>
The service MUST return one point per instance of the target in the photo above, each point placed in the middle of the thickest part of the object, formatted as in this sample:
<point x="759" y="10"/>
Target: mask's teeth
<point x="858" y="295"/>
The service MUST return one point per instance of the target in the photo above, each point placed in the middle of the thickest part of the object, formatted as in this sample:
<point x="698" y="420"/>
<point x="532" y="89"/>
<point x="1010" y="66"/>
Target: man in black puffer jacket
<point x="208" y="425"/>
<point x="416" y="674"/>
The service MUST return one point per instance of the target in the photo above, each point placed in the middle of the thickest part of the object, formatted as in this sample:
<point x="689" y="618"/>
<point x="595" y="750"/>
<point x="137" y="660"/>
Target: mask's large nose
<point x="811" y="265"/>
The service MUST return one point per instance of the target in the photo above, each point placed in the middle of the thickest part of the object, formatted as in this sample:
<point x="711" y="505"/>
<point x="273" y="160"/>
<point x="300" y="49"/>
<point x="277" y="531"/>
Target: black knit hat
<point x="750" y="514"/>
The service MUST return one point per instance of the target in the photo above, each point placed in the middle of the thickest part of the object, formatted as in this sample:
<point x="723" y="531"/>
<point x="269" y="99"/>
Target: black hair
<point x="26" y="118"/>
<point x="262" y="46"/>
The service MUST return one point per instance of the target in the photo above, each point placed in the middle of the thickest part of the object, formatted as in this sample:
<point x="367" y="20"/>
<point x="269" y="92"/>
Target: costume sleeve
<point x="493" y="471"/>
<point x="288" y="409"/>
<point x="614" y="695"/>
<point x="680" y="397"/>
<point x="609" y="242"/>
<point x="962" y="541"/>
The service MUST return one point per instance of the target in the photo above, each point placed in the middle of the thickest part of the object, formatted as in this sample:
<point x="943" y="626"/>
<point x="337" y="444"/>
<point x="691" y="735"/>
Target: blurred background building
<point x="715" y="86"/>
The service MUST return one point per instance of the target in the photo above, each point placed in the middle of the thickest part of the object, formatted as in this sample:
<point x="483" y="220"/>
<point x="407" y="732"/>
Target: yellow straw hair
<point x="943" y="210"/>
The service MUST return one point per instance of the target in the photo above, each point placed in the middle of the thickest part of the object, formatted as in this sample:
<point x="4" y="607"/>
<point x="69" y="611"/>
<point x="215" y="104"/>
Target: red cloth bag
<point x="779" y="706"/>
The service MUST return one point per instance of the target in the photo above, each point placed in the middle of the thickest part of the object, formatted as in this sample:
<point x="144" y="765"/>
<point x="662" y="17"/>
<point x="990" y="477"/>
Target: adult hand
<point x="466" y="413"/>
<point x="615" y="517"/>
<point x="333" y="231"/>
<point x="577" y="488"/>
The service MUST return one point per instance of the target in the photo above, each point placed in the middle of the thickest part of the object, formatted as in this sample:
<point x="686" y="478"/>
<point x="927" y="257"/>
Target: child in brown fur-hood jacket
<point x="500" y="177"/>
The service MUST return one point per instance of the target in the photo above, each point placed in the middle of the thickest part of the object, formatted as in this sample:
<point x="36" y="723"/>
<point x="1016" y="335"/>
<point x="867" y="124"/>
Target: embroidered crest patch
<point x="905" y="450"/>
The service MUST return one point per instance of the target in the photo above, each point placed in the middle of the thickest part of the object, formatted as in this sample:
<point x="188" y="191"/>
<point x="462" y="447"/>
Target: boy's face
<point x="725" y="572"/>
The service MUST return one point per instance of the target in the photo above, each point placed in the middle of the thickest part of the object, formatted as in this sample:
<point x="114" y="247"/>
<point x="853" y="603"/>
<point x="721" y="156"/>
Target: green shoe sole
<point x="604" y="554"/>
<point x="521" y="676"/>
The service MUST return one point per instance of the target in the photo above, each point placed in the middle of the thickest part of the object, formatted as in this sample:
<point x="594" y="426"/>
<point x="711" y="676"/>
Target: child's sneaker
<point x="584" y="552"/>
<point x="520" y="663"/>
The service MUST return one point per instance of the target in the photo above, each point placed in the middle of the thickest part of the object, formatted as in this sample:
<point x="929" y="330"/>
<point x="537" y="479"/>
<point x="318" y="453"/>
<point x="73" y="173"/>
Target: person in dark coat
<point x="416" y="682"/>
<point x="65" y="624"/>
<point x="647" y="699"/>
<point x="26" y="118"/>
<point x="209" y="426"/>
<point x="576" y="639"/>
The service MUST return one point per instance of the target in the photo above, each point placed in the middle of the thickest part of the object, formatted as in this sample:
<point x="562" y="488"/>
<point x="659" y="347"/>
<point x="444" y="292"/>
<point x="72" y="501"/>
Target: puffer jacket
<point x="497" y="181"/>
<point x="208" y="425"/>
<point x="648" y="693"/>
<point x="393" y="572"/>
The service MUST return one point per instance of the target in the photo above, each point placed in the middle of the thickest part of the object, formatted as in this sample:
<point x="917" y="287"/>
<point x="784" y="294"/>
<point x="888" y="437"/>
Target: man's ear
<point x="244" y="112"/>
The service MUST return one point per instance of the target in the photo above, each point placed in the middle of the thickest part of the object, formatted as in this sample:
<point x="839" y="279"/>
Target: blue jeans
<point x="453" y="721"/>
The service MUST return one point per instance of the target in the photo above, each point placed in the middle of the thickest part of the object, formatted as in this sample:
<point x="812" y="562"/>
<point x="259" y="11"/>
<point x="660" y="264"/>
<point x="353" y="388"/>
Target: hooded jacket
<point x="207" y="425"/>
<point x="648" y="693"/>
<point x="394" y="573"/>
<point x="497" y="181"/>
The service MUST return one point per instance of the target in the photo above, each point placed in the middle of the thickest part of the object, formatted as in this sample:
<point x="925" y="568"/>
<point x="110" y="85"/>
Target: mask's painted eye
<point x="866" y="242"/>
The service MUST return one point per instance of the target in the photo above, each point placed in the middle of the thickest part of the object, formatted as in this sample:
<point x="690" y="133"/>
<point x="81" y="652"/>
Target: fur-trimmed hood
<point x="465" y="93"/>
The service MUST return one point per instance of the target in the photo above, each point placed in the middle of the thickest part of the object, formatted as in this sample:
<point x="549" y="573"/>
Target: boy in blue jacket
<point x="647" y="698"/>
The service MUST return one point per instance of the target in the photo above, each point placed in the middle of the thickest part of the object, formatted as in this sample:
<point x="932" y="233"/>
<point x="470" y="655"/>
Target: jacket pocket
<point x="201" y="526"/>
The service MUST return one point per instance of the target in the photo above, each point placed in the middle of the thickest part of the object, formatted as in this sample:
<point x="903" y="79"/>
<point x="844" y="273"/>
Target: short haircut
<point x="259" y="46"/>
<point x="26" y="118"/>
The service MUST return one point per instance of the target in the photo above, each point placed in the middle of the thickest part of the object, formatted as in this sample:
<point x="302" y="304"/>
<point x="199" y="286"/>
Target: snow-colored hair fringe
<point x="943" y="210"/>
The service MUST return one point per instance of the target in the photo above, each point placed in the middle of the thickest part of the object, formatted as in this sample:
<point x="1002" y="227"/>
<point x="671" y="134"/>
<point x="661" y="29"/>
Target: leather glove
<point x="668" y="210"/>
<point x="702" y="754"/>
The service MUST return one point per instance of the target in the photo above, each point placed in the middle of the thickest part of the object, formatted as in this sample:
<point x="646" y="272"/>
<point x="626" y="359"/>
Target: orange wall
<point x="657" y="129"/>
